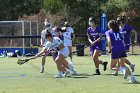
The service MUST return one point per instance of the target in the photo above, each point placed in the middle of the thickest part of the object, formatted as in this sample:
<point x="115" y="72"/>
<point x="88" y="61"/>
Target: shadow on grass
<point x="83" y="74"/>
<point x="138" y="82"/>
<point x="112" y="74"/>
<point x="137" y="75"/>
<point x="80" y="75"/>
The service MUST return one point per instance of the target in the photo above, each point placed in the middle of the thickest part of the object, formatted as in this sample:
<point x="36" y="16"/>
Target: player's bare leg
<point x="125" y="70"/>
<point x="43" y="63"/>
<point x="122" y="67"/>
<point x="70" y="55"/>
<point x="68" y="66"/>
<point x="60" y="67"/>
<point x="96" y="60"/>
<point x="132" y="66"/>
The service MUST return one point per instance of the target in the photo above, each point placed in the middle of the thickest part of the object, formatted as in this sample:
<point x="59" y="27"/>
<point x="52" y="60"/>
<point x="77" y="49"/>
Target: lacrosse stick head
<point x="20" y="61"/>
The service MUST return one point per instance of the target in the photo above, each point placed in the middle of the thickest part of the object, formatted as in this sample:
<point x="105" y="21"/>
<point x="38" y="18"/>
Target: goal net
<point x="12" y="29"/>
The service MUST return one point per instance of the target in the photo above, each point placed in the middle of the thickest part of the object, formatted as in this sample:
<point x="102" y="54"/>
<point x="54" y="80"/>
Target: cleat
<point x="58" y="76"/>
<point x="133" y="80"/>
<point x="66" y="73"/>
<point x="42" y="70"/>
<point x="74" y="72"/>
<point x="71" y="62"/>
<point x="105" y="66"/>
<point x="97" y="72"/>
<point x="115" y="73"/>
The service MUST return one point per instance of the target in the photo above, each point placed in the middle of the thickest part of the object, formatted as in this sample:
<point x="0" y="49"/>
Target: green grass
<point x="27" y="79"/>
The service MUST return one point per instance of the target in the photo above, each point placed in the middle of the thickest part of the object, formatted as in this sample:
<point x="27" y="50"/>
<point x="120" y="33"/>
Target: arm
<point x="136" y="35"/>
<point x="39" y="54"/>
<point x="109" y="44"/>
<point x="90" y="41"/>
<point x="99" y="39"/>
<point x="41" y="41"/>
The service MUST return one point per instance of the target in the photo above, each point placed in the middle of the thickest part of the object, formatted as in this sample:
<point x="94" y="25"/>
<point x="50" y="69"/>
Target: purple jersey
<point x="118" y="49"/>
<point x="61" y="37"/>
<point x="94" y="35"/>
<point x="116" y="38"/>
<point x="125" y="31"/>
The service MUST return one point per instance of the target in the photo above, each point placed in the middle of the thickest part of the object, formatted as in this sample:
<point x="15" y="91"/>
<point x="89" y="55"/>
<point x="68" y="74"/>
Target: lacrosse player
<point x="43" y="42"/>
<point x="117" y="50"/>
<point x="126" y="30"/>
<point x="68" y="37"/>
<point x="54" y="43"/>
<point x="95" y="37"/>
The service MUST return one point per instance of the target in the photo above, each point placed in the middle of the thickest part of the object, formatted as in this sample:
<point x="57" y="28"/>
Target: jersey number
<point x="117" y="36"/>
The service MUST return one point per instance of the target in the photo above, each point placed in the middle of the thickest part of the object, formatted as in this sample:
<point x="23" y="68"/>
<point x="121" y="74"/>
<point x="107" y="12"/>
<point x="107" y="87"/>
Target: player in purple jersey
<point x="117" y="50"/>
<point x="126" y="30"/>
<point x="95" y="37"/>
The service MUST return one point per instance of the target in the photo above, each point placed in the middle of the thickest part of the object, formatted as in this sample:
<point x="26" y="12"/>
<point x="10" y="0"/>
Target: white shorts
<point x="64" y="52"/>
<point x="68" y="43"/>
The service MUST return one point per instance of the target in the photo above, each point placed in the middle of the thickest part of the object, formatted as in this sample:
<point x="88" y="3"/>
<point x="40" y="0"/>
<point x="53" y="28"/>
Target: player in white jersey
<point x="57" y="32"/>
<point x="63" y="52"/>
<point x="67" y="35"/>
<point x="54" y="33"/>
<point x="43" y="42"/>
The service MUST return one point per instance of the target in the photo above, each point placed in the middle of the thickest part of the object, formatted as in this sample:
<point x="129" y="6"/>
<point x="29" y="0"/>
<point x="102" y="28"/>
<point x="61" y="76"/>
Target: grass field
<point x="27" y="79"/>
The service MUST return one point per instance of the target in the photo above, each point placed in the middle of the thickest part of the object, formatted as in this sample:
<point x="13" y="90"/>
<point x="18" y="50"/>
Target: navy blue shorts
<point x="95" y="47"/>
<point x="118" y="54"/>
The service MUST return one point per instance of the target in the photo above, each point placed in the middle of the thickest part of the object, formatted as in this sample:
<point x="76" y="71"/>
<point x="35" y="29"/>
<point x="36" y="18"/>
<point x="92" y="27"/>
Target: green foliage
<point x="12" y="9"/>
<point x="114" y="7"/>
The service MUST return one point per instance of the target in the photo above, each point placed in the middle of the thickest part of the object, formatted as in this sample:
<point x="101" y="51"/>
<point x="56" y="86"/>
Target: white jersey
<point x="43" y="33"/>
<point x="55" y="44"/>
<point x="54" y="33"/>
<point x="67" y="36"/>
<point x="43" y="40"/>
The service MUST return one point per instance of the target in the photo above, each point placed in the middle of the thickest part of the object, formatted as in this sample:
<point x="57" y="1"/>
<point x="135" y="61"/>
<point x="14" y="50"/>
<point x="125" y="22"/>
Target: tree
<point x="12" y="9"/>
<point x="114" y="7"/>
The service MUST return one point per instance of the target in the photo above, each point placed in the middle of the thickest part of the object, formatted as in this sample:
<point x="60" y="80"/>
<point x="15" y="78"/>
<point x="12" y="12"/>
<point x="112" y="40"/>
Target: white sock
<point x="42" y="66"/>
<point x="131" y="76"/>
<point x="70" y="67"/>
<point x="123" y="69"/>
<point x="60" y="72"/>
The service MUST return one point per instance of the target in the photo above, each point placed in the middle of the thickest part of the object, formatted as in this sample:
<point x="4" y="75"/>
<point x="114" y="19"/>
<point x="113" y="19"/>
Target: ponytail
<point x="113" y="25"/>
